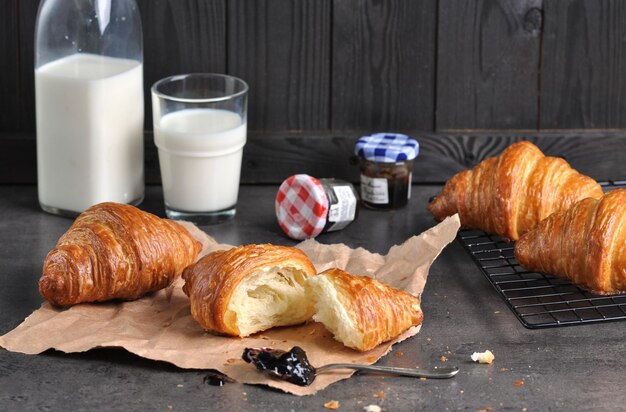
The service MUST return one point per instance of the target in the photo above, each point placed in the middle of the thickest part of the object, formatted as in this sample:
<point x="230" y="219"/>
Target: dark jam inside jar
<point x="385" y="185"/>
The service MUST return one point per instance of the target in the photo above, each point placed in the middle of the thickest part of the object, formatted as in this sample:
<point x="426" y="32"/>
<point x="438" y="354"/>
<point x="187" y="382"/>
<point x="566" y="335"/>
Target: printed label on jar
<point x="344" y="211"/>
<point x="374" y="190"/>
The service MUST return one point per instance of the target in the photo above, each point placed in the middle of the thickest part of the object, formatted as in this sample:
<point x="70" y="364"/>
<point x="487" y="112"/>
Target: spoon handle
<point x="432" y="373"/>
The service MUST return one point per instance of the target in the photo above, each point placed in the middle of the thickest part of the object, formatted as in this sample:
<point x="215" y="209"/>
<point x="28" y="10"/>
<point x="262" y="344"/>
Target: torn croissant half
<point x="360" y="311"/>
<point x="585" y="244"/>
<point x="115" y="251"/>
<point x="249" y="289"/>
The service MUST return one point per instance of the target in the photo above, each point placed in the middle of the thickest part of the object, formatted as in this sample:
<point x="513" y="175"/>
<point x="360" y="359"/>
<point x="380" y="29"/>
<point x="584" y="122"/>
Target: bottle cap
<point x="387" y="147"/>
<point x="301" y="207"/>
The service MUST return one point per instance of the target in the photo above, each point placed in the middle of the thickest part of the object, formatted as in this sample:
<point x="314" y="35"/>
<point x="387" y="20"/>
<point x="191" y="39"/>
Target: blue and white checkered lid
<point x="387" y="147"/>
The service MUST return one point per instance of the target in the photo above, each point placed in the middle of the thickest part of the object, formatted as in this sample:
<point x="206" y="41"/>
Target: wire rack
<point x="539" y="300"/>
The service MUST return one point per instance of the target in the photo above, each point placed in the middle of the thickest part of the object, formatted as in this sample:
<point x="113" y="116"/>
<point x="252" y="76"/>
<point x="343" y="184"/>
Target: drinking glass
<point x="200" y="123"/>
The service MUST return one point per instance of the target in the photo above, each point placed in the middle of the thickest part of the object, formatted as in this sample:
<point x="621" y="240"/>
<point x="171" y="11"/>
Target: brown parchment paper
<point x="160" y="326"/>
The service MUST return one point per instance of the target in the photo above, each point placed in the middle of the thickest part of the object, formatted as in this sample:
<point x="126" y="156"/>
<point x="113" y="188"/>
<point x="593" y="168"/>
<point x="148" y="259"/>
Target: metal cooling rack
<point x="539" y="300"/>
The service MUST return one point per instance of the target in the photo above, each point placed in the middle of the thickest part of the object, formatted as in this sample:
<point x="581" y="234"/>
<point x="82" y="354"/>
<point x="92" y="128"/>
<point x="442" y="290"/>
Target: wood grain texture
<point x="270" y="158"/>
<point x="282" y="49"/>
<point x="181" y="36"/>
<point x="323" y="71"/>
<point x="584" y="64"/>
<point x="9" y="70"/>
<point x="18" y="158"/>
<point x="383" y="65"/>
<point x="598" y="154"/>
<point x="487" y="64"/>
<point x="25" y="120"/>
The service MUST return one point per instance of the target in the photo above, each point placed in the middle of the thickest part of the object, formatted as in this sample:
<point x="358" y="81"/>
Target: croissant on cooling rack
<point x="248" y="289"/>
<point x="360" y="311"/>
<point x="509" y="194"/>
<point x="585" y="244"/>
<point x="115" y="251"/>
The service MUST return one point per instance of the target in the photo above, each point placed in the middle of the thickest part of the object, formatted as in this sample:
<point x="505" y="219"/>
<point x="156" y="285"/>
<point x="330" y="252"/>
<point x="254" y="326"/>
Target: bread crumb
<point x="483" y="357"/>
<point x="380" y="394"/>
<point x="443" y="359"/>
<point x="372" y="408"/>
<point x="519" y="383"/>
<point x="399" y="354"/>
<point x="332" y="405"/>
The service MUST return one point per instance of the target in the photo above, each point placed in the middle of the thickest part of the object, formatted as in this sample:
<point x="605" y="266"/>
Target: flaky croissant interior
<point x="360" y="311"/>
<point x="331" y="310"/>
<point x="270" y="297"/>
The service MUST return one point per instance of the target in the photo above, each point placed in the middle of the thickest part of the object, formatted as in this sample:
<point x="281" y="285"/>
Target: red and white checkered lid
<point x="301" y="207"/>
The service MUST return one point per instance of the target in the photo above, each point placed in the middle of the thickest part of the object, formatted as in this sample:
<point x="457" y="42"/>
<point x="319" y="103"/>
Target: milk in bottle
<point x="89" y="104"/>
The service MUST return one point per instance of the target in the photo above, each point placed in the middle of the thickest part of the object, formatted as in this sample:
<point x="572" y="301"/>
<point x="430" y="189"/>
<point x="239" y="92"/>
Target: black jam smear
<point x="216" y="378"/>
<point x="292" y="366"/>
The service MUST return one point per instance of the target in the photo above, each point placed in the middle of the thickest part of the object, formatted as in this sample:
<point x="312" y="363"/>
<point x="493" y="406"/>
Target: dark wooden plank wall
<point x="466" y="77"/>
<point x="383" y="65"/>
<point x="584" y="64"/>
<point x="9" y="70"/>
<point x="488" y="64"/>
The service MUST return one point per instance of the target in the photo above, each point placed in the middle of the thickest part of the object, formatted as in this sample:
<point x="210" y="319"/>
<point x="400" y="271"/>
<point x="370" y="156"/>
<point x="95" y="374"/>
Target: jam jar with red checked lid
<point x="386" y="161"/>
<point x="306" y="206"/>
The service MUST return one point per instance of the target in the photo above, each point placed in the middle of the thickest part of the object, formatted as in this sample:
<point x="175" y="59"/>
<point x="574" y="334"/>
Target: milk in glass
<point x="200" y="154"/>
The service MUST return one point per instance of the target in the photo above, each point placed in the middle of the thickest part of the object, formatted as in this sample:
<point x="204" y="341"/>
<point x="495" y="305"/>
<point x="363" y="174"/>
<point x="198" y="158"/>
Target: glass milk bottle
<point x="89" y="102"/>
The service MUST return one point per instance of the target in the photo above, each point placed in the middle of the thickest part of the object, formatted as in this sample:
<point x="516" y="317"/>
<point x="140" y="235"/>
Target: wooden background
<point x="466" y="77"/>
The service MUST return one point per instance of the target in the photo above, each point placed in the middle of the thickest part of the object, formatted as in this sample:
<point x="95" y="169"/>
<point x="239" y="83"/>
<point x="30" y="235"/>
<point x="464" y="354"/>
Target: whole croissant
<point x="115" y="251"/>
<point x="360" y="311"/>
<point x="585" y="244"/>
<point x="509" y="194"/>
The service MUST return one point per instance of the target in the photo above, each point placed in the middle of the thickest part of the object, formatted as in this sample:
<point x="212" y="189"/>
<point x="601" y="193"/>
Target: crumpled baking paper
<point x="160" y="326"/>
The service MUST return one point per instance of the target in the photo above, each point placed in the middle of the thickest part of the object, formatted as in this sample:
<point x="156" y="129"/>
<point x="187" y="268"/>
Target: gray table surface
<point x="566" y="368"/>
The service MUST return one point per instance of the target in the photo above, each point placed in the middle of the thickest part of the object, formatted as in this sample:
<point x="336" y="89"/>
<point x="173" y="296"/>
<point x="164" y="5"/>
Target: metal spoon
<point x="293" y="366"/>
<point x="444" y="372"/>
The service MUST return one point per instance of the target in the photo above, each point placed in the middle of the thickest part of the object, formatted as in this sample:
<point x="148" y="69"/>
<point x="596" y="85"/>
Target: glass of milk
<point x="200" y="123"/>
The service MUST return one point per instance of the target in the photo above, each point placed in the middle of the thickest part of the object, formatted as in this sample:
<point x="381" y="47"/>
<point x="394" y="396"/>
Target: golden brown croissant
<point x="115" y="251"/>
<point x="585" y="244"/>
<point x="509" y="194"/>
<point x="249" y="288"/>
<point x="360" y="311"/>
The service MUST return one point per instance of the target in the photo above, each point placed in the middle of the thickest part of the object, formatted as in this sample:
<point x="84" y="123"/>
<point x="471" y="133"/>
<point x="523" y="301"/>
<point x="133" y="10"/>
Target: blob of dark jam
<point x="292" y="366"/>
<point x="216" y="378"/>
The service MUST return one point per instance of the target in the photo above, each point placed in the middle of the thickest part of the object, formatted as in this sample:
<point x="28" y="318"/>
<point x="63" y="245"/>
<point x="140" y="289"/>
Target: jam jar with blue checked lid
<point x="386" y="161"/>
